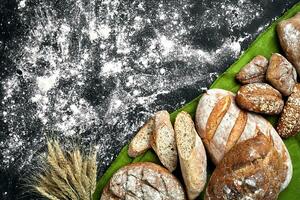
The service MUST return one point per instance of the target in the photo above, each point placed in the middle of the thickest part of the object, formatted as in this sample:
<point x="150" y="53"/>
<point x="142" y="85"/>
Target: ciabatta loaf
<point x="143" y="181"/>
<point x="192" y="156"/>
<point x="221" y="125"/>
<point x="252" y="169"/>
<point x="163" y="140"/>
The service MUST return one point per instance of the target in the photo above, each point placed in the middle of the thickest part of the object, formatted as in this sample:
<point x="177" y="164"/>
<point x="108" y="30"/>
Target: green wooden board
<point x="265" y="44"/>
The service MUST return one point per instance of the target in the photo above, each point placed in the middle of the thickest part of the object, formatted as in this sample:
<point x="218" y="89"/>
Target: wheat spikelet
<point x="66" y="177"/>
<point x="92" y="170"/>
<point x="44" y="193"/>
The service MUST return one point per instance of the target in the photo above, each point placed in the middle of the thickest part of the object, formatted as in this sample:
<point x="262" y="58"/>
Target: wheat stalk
<point x="66" y="175"/>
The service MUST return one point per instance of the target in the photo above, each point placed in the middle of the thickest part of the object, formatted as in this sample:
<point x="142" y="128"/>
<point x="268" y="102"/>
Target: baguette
<point x="141" y="141"/>
<point x="163" y="140"/>
<point x="143" y="181"/>
<point x="253" y="169"/>
<point x="191" y="153"/>
<point x="233" y="126"/>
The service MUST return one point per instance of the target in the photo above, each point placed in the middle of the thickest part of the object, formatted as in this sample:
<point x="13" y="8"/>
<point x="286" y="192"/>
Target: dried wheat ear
<point x="65" y="174"/>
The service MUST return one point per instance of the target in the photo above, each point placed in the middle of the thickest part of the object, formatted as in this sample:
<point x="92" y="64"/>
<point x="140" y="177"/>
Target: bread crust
<point x="192" y="156"/>
<point x="143" y="181"/>
<point x="250" y="170"/>
<point x="255" y="123"/>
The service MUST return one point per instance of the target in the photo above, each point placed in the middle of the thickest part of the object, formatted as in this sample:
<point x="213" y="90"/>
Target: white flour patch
<point x="95" y="74"/>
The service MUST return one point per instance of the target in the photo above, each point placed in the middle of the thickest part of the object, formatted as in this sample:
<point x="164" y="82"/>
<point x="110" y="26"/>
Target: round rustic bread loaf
<point x="252" y="169"/>
<point x="221" y="125"/>
<point x="143" y="181"/>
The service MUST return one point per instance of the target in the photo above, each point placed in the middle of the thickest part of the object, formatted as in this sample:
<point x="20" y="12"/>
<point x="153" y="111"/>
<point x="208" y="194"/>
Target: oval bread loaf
<point x="192" y="156"/>
<point x="221" y="125"/>
<point x="260" y="98"/>
<point x="143" y="181"/>
<point x="252" y="169"/>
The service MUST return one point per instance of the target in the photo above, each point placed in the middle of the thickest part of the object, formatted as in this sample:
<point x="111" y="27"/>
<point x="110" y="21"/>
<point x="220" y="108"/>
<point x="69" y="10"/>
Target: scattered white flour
<point x="96" y="74"/>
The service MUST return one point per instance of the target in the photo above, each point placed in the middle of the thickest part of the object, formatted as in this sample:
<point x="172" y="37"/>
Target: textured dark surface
<point x="115" y="102"/>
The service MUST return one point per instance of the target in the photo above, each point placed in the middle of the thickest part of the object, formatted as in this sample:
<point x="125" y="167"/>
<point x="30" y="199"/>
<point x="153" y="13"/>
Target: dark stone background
<point x="14" y="27"/>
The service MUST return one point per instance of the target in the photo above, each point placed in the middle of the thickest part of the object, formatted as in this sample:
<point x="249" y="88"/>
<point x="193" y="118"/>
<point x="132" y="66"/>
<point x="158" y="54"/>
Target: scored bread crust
<point x="143" y="181"/>
<point x="163" y="140"/>
<point x="216" y="146"/>
<point x="253" y="169"/>
<point x="192" y="156"/>
<point x="141" y="141"/>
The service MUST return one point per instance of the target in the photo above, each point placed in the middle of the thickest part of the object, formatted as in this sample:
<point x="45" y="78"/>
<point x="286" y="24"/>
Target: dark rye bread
<point x="253" y="169"/>
<point x="289" y="121"/>
<point x="222" y="124"/>
<point x="191" y="154"/>
<point x="163" y="140"/>
<point x="143" y="181"/>
<point x="141" y="141"/>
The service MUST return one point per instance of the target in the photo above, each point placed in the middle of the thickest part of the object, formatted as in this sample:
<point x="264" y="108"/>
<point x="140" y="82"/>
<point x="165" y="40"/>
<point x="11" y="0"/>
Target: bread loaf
<point x="221" y="125"/>
<point x="163" y="140"/>
<point x="281" y="74"/>
<point x="252" y="169"/>
<point x="254" y="71"/>
<point x="141" y="141"/>
<point x="289" y="36"/>
<point x="143" y="181"/>
<point x="192" y="156"/>
<point x="289" y="121"/>
<point x="260" y="98"/>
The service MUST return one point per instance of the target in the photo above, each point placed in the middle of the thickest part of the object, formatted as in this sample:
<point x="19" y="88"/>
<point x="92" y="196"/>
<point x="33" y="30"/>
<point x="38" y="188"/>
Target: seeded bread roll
<point x="141" y="141"/>
<point x="221" y="125"/>
<point x="191" y="153"/>
<point x="143" y="181"/>
<point x="289" y="121"/>
<point x="163" y="140"/>
<point x="260" y="98"/>
<point x="253" y="169"/>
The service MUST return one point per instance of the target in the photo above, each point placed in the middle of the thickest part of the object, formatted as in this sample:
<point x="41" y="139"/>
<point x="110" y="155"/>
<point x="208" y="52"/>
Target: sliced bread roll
<point x="221" y="125"/>
<point x="163" y="140"/>
<point x="252" y="169"/>
<point x="191" y="153"/>
<point x="141" y="141"/>
<point x="143" y="181"/>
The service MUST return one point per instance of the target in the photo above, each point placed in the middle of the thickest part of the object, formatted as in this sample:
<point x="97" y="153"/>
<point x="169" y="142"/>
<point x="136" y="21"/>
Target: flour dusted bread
<point x="191" y="153"/>
<point x="221" y="125"/>
<point x="253" y="169"/>
<point x="289" y="36"/>
<point x="143" y="181"/>
<point x="141" y="141"/>
<point x="163" y="140"/>
<point x="281" y="74"/>
<point x="254" y="71"/>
